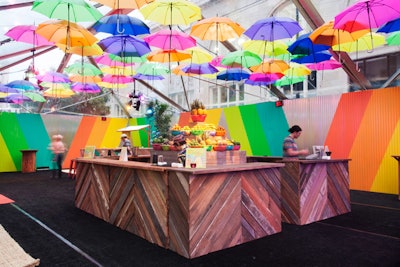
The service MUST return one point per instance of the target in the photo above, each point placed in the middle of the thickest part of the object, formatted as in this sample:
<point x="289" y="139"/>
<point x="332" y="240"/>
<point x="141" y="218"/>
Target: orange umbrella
<point x="271" y="66"/>
<point x="85" y="79"/>
<point x="165" y="56"/>
<point x="216" y="28"/>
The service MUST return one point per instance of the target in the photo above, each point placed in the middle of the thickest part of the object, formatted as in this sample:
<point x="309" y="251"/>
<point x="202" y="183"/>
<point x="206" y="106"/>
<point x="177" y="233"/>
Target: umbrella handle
<point x="119" y="30"/>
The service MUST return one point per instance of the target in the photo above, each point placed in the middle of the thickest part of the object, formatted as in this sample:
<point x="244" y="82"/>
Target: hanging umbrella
<point x="199" y="69"/>
<point x="35" y="97"/>
<point x="198" y="55"/>
<point x="121" y="24"/>
<point x="241" y="58"/>
<point x="7" y="89"/>
<point x="58" y="93"/>
<point x="27" y="34"/>
<point x="271" y="66"/>
<point x="89" y="88"/>
<point x="92" y="50"/>
<point x="216" y="28"/>
<point x="312" y="58"/>
<point x="259" y="83"/>
<point x="16" y="98"/>
<point x="170" y="39"/>
<point x="233" y="74"/>
<point x="273" y="28"/>
<point x="391" y="26"/>
<point x="267" y="78"/>
<point x="70" y="10"/>
<point x="171" y="12"/>
<point x="152" y="68"/>
<point x="124" y="45"/>
<point x="305" y="46"/>
<point x="371" y="13"/>
<point x="113" y="60"/>
<point x="56" y="86"/>
<point x="124" y="4"/>
<point x="83" y="69"/>
<point x="85" y="79"/>
<point x="53" y="76"/>
<point x="140" y="76"/>
<point x="366" y="42"/>
<point x="296" y="69"/>
<point x="67" y="33"/>
<point x="327" y="35"/>
<point x="112" y="85"/>
<point x="118" y="79"/>
<point x="330" y="64"/>
<point x="288" y="80"/>
<point x="393" y="39"/>
<point x="126" y="71"/>
<point x="266" y="48"/>
<point x="216" y="62"/>
<point x="167" y="56"/>
<point x="23" y="85"/>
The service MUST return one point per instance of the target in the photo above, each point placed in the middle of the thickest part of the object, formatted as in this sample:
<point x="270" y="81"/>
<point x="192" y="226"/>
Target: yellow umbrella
<point x="112" y="85"/>
<point x="296" y="70"/>
<point x="93" y="50"/>
<point x="127" y="71"/>
<point x="266" y="48"/>
<point x="58" y="93"/>
<point x="198" y="55"/>
<point x="366" y="42"/>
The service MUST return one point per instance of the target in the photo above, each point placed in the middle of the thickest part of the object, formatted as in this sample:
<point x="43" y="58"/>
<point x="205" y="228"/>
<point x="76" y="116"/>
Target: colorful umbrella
<point x="124" y="4"/>
<point x="93" y="50"/>
<point x="266" y="48"/>
<point x="117" y="79"/>
<point x="327" y="35"/>
<point x="89" y="88"/>
<point x="152" y="68"/>
<point x="273" y="28"/>
<point x="170" y="39"/>
<point x="164" y="56"/>
<point x="16" y="98"/>
<point x="267" y="78"/>
<point x="126" y="71"/>
<point x="312" y="58"/>
<point x="67" y="33"/>
<point x="305" y="46"/>
<point x="85" y="79"/>
<point x="35" y="97"/>
<point x="71" y="10"/>
<point x="198" y="55"/>
<point x="140" y="76"/>
<point x="199" y="69"/>
<point x="55" y="86"/>
<point x="330" y="64"/>
<point x="288" y="80"/>
<point x="112" y="60"/>
<point x="121" y="24"/>
<point x="371" y="13"/>
<point x="393" y="38"/>
<point x="366" y="42"/>
<point x="216" y="28"/>
<point x="271" y="66"/>
<point x="53" y="76"/>
<point x="241" y="58"/>
<point x="112" y="85"/>
<point x="23" y="85"/>
<point x="171" y="12"/>
<point x="7" y="89"/>
<point x="58" y="93"/>
<point x="27" y="34"/>
<point x="391" y="26"/>
<point x="83" y="69"/>
<point x="296" y="69"/>
<point x="216" y="61"/>
<point x="124" y="45"/>
<point x="233" y="74"/>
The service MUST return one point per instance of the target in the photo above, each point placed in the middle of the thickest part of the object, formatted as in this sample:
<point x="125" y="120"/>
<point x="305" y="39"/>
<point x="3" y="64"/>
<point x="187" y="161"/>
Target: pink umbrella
<point x="330" y="64"/>
<point x="216" y="62"/>
<point x="170" y="39"/>
<point x="27" y="34"/>
<point x="54" y="77"/>
<point x="107" y="59"/>
<point x="265" y="77"/>
<point x="117" y="79"/>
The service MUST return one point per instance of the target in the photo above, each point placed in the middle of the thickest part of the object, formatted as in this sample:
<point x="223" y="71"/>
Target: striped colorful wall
<point x="362" y="126"/>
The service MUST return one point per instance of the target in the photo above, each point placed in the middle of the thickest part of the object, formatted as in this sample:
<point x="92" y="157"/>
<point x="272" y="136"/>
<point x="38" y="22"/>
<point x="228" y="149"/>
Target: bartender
<point x="290" y="149"/>
<point x="125" y="142"/>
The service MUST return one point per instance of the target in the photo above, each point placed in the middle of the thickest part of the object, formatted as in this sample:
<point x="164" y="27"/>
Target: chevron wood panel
<point x="314" y="191"/>
<point x="91" y="193"/>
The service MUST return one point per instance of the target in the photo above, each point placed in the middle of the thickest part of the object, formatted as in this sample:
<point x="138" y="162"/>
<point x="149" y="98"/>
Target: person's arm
<point x="291" y="152"/>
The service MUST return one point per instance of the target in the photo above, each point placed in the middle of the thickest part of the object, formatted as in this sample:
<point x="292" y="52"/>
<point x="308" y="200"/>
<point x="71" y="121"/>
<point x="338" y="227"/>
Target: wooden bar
<point x="398" y="171"/>
<point x="190" y="211"/>
<point x="312" y="190"/>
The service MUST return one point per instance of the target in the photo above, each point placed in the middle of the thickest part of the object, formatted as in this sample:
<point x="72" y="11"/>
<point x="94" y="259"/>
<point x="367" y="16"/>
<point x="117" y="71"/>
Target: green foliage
<point x="89" y="104"/>
<point x="162" y="118"/>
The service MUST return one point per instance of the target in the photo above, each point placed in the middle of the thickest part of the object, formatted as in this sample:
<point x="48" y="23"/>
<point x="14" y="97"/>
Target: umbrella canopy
<point x="366" y="42"/>
<point x="267" y="78"/>
<point x="53" y="76"/>
<point x="71" y="10"/>
<point x="271" y="66"/>
<point x="124" y="4"/>
<point x="273" y="28"/>
<point x="199" y="69"/>
<point x="241" y="58"/>
<point x="305" y="46"/>
<point x="330" y="64"/>
<point x="85" y="79"/>
<point x="393" y="39"/>
<point x="371" y="13"/>
<point x="327" y="35"/>
<point x="121" y="24"/>
<point x="170" y="39"/>
<point x="92" y="50"/>
<point x="287" y="80"/>
<point x="117" y="79"/>
<point x="17" y="98"/>
<point x="140" y="76"/>
<point x="233" y="74"/>
<point x="165" y="56"/>
<point x="171" y="12"/>
<point x="296" y="69"/>
<point x="216" y="61"/>
<point x="58" y="93"/>
<point x="198" y="55"/>
<point x="6" y="89"/>
<point x="52" y="85"/>
<point x="35" y="97"/>
<point x="27" y="34"/>
<point x="266" y="48"/>
<point x="83" y="69"/>
<point x="152" y="68"/>
<point x="312" y="58"/>
<point x="126" y="71"/>
<point x="23" y="85"/>
<point x="216" y="28"/>
<point x="391" y="26"/>
<point x="124" y="45"/>
<point x="112" y="85"/>
<point x="89" y="88"/>
<point x="113" y="60"/>
<point x="67" y="33"/>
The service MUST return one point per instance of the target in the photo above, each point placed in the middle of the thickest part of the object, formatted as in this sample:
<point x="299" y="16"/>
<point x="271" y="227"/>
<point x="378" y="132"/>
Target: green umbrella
<point x="35" y="97"/>
<point x="393" y="39"/>
<point x="286" y="80"/>
<point x="83" y="69"/>
<point x="153" y="68"/>
<point x="70" y="10"/>
<point x="242" y="58"/>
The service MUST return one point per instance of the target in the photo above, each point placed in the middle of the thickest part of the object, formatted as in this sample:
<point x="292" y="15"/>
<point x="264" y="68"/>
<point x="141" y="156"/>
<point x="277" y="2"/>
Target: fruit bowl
<point x="165" y="147"/>
<point x="157" y="147"/>
<point x="175" y="132"/>
<point x="219" y="148"/>
<point x="229" y="147"/>
<point x="197" y="132"/>
<point x="236" y="147"/>
<point x="198" y="118"/>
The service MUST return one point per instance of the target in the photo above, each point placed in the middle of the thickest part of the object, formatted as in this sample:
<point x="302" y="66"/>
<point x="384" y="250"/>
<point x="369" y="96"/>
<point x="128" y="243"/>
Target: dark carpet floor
<point x="45" y="223"/>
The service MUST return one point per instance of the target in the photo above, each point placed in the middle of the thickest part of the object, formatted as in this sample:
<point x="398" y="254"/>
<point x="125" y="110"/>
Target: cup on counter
<point x="160" y="159"/>
<point x="193" y="165"/>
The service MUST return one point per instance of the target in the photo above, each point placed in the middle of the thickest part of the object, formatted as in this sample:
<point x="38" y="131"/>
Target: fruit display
<point x="198" y="111"/>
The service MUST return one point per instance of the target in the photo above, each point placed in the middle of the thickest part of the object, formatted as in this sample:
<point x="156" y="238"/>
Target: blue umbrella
<point x="233" y="74"/>
<point x="312" y="58"/>
<point x="304" y="46"/>
<point x="121" y="24"/>
<point x="199" y="69"/>
<point x="391" y="26"/>
<point x="23" y="85"/>
<point x="125" y="46"/>
<point x="273" y="28"/>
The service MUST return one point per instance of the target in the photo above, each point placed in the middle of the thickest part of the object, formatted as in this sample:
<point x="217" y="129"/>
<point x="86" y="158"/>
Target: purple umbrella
<point x="265" y="77"/>
<point x="6" y="89"/>
<point x="273" y="28"/>
<point x="90" y="88"/>
<point x="125" y="46"/>
<point x="54" y="77"/>
<point x="199" y="69"/>
<point x="140" y="76"/>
